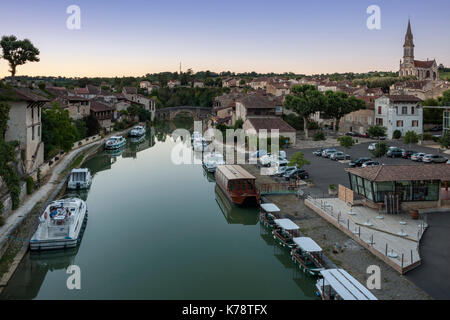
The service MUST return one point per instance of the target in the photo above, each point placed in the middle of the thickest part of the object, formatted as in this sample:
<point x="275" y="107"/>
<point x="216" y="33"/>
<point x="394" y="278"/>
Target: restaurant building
<point x="402" y="187"/>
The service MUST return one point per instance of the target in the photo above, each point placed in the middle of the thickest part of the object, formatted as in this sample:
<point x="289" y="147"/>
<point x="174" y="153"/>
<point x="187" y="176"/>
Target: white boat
<point x="61" y="225"/>
<point x="200" y="145"/>
<point x="196" y="136"/>
<point x="115" y="142"/>
<point x="213" y="160"/>
<point x="137" y="131"/>
<point x="79" y="179"/>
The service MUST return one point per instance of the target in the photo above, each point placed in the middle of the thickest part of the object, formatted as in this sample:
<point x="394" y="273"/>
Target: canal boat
<point x="308" y="256"/>
<point x="61" y="225"/>
<point x="79" y="179"/>
<point x="137" y="131"/>
<point x="338" y="284"/>
<point x="200" y="145"/>
<point x="238" y="184"/>
<point x="284" y="233"/>
<point x="268" y="213"/>
<point x="115" y="142"/>
<point x="213" y="160"/>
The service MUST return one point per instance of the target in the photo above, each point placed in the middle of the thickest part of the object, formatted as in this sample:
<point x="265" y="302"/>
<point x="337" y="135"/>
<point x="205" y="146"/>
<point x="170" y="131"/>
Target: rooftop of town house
<point x="402" y="98"/>
<point x="234" y="172"/>
<point x="72" y="98"/>
<point x="270" y="123"/>
<point x="97" y="106"/>
<point x="130" y="90"/>
<point x="22" y="94"/>
<point x="386" y="173"/>
<point x="92" y="89"/>
<point x="258" y="101"/>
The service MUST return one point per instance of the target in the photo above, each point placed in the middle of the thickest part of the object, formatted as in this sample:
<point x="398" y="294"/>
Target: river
<point x="157" y="230"/>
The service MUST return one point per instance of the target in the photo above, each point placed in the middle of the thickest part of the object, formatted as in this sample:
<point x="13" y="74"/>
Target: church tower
<point x="408" y="47"/>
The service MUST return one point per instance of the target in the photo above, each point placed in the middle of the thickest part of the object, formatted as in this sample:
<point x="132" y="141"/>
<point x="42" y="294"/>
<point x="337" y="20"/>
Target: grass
<point x="445" y="75"/>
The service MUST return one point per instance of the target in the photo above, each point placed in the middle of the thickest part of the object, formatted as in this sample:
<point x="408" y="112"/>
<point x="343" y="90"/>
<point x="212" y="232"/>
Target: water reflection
<point x="232" y="213"/>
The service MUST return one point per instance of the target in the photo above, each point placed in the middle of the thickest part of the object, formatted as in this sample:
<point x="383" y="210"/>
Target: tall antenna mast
<point x="180" y="68"/>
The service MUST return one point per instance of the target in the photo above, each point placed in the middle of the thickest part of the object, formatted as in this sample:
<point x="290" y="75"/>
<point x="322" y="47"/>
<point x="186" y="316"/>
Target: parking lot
<point x="323" y="171"/>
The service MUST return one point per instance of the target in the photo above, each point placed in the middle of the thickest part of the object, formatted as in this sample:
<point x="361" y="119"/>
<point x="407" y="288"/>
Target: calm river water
<point x="157" y="230"/>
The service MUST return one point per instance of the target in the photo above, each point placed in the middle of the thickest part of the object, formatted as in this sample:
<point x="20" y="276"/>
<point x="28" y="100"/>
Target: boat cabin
<point x="308" y="255"/>
<point x="238" y="184"/>
<point x="285" y="231"/>
<point x="79" y="179"/>
<point x="268" y="213"/>
<point x="338" y="284"/>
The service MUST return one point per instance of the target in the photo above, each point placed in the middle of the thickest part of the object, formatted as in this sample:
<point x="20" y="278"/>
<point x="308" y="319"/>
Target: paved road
<point x="433" y="275"/>
<point x="324" y="171"/>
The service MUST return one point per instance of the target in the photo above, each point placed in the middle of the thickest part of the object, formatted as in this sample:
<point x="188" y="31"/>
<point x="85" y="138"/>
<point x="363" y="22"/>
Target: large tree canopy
<point x="305" y="100"/>
<point x="18" y="52"/>
<point x="338" y="104"/>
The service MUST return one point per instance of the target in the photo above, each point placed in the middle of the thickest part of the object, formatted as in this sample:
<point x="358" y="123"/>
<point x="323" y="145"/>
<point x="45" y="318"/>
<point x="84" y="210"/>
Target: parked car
<point x="339" y="155"/>
<point x="301" y="173"/>
<point x="363" y="135"/>
<point x="436" y="128"/>
<point x="372" y="146"/>
<point x="358" y="162"/>
<point x="408" y="153"/>
<point x="394" y="152"/>
<point x="258" y="154"/>
<point x="351" y="134"/>
<point x="327" y="152"/>
<point x="318" y="152"/>
<point x="417" y="156"/>
<point x="269" y="160"/>
<point x="285" y="169"/>
<point x="370" y="164"/>
<point x="434" y="158"/>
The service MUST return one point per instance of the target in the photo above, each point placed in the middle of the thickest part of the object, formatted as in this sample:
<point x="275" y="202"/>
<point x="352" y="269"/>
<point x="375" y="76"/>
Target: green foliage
<point x="426" y="136"/>
<point x="380" y="82"/>
<point x="410" y="137"/>
<point x="338" y="104"/>
<point x="346" y="141"/>
<point x="80" y="124"/>
<point x="445" y="140"/>
<point x="312" y="125"/>
<point x="376" y="131"/>
<point x="140" y="112"/>
<point x="332" y="187"/>
<point x="238" y="124"/>
<point x="30" y="184"/>
<point x="397" y="134"/>
<point x="381" y="148"/>
<point x="298" y="159"/>
<point x="18" y="52"/>
<point x="318" y="136"/>
<point x="58" y="133"/>
<point x="92" y="125"/>
<point x="38" y="177"/>
<point x="181" y="96"/>
<point x="294" y="121"/>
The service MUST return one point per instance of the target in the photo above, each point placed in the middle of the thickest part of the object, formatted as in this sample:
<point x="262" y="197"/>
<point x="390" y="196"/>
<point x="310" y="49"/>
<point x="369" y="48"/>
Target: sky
<point x="135" y="37"/>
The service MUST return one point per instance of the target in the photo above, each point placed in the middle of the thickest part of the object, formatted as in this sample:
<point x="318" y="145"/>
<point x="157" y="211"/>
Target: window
<point x="399" y="123"/>
<point x="379" y="110"/>
<point x="379" y="121"/>
<point x="32" y="133"/>
<point x="404" y="110"/>
<point x="412" y="110"/>
<point x="415" y="123"/>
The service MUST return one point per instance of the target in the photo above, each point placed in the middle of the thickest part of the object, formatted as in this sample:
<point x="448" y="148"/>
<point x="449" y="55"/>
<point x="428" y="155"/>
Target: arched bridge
<point x="198" y="113"/>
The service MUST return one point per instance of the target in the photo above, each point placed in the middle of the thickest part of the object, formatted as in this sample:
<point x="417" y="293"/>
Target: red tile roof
<point x="403" y="172"/>
<point x="423" y="64"/>
<point x="97" y="106"/>
<point x="270" y="123"/>
<point x="403" y="98"/>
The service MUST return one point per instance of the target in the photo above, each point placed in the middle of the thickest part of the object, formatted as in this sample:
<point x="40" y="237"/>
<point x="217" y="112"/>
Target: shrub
<point x="381" y="149"/>
<point x="30" y="184"/>
<point x="332" y="187"/>
<point x="426" y="136"/>
<point x="397" y="134"/>
<point x="320" y="135"/>
<point x="346" y="141"/>
<point x="312" y="125"/>
<point x="410" y="137"/>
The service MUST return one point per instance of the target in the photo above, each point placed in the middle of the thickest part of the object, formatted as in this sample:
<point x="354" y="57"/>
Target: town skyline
<point x="151" y="38"/>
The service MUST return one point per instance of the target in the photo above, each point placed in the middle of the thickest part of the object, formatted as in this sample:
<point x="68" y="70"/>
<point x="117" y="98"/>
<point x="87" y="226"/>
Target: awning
<point x="286" y="224"/>
<point x="270" y="207"/>
<point x="307" y="244"/>
<point x="347" y="287"/>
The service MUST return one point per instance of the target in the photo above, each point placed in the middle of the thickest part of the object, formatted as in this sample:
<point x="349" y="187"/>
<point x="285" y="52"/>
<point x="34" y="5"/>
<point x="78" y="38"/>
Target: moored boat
<point x="212" y="160"/>
<point x="268" y="213"/>
<point x="61" y="225"/>
<point x="79" y="179"/>
<point x="115" y="142"/>
<point x="308" y="256"/>
<point x="238" y="184"/>
<point x="284" y="232"/>
<point x="137" y="131"/>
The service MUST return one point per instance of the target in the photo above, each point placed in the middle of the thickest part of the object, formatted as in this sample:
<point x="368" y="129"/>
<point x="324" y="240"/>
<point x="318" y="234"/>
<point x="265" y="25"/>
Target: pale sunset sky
<point x="135" y="37"/>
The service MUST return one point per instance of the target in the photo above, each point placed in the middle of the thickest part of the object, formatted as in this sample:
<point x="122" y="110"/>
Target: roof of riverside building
<point x="270" y="123"/>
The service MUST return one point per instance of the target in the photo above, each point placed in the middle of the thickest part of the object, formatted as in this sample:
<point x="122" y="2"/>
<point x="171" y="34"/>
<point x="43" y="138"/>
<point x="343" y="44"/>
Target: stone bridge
<point x="198" y="113"/>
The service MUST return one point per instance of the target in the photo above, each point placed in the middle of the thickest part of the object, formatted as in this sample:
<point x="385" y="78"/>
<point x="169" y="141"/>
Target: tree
<point x="304" y="100"/>
<point x="445" y="140"/>
<point x="18" y="52"/>
<point x="376" y="131"/>
<point x="338" y="104"/>
<point x="410" y="137"/>
<point x="380" y="150"/>
<point x="92" y="125"/>
<point x="346" y="141"/>
<point x="298" y="160"/>
<point x="58" y="133"/>
<point x="397" y="134"/>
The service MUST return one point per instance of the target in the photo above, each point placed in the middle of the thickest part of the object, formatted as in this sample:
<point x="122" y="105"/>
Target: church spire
<point x="409" y="36"/>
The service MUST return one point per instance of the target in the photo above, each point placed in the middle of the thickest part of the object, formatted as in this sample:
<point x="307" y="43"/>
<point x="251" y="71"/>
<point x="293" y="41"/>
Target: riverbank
<point x="343" y="251"/>
<point x="22" y="223"/>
